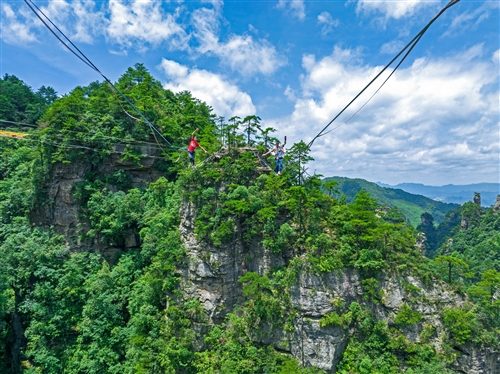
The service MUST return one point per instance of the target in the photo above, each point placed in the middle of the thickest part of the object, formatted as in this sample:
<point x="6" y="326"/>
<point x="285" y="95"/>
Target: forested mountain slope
<point x="118" y="258"/>
<point x="411" y="205"/>
<point x="458" y="194"/>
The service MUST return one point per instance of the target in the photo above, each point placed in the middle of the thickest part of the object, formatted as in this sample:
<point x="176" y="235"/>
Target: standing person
<point x="279" y="152"/>
<point x="192" y="146"/>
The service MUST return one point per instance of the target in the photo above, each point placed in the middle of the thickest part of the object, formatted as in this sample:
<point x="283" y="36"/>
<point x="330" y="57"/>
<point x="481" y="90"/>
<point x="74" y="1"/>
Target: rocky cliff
<point x="62" y="209"/>
<point x="211" y="276"/>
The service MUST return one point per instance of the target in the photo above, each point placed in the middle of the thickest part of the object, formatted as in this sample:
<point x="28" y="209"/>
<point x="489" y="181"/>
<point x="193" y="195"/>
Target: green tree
<point x="267" y="140"/>
<point x="296" y="160"/>
<point x="329" y="186"/>
<point x="486" y="290"/>
<point x="452" y="262"/>
<point x="252" y="126"/>
<point x="19" y="103"/>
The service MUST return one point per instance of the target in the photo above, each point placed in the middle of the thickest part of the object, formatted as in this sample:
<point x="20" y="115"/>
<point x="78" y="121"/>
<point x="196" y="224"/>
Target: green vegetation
<point x="68" y="310"/>
<point x="412" y="206"/>
<point x="18" y="102"/>
<point x="406" y="316"/>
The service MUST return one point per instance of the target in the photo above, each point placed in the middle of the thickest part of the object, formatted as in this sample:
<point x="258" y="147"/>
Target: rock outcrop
<point x="211" y="276"/>
<point x="496" y="207"/>
<point x="62" y="210"/>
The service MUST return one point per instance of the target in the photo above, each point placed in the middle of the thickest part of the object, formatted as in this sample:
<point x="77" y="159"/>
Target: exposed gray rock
<point x="62" y="210"/>
<point x="313" y="345"/>
<point x="211" y="276"/>
<point x="211" y="273"/>
<point x="471" y="360"/>
<point x="496" y="207"/>
<point x="477" y="198"/>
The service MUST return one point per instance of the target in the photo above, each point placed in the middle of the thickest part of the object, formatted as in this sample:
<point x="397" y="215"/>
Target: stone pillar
<point x="496" y="207"/>
<point x="477" y="198"/>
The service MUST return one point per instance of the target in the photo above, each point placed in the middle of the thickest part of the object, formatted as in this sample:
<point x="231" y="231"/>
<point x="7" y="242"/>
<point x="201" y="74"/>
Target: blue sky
<point x="296" y="64"/>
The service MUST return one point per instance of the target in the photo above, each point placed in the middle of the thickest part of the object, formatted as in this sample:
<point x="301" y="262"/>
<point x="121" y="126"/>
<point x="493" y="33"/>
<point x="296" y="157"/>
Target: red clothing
<point x="192" y="145"/>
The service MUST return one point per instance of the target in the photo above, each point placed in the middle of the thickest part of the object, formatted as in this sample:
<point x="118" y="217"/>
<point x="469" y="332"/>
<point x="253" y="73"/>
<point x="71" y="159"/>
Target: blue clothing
<point x="280" y="152"/>
<point x="279" y="164"/>
<point x="191" y="156"/>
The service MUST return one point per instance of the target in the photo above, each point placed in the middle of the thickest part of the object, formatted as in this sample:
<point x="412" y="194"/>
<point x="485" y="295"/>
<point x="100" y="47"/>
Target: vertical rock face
<point x="62" y="210"/>
<point x="477" y="198"/>
<point x="475" y="361"/>
<point x="496" y="207"/>
<point x="211" y="275"/>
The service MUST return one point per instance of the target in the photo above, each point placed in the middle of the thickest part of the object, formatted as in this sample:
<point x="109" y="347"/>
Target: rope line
<point x="410" y="45"/>
<point x="262" y="161"/>
<point x="18" y="123"/>
<point x="83" y="147"/>
<point x="89" y="63"/>
<point x="371" y="97"/>
<point x="113" y="138"/>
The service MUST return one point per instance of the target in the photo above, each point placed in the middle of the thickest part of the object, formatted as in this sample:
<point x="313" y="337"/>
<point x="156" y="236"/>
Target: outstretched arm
<point x="194" y="132"/>
<point x="284" y="142"/>
<point x="204" y="150"/>
<point x="271" y="150"/>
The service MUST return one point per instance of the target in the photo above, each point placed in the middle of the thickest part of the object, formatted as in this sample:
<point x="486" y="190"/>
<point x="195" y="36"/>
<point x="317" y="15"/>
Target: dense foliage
<point x="65" y="310"/>
<point x="18" y="102"/>
<point x="412" y="206"/>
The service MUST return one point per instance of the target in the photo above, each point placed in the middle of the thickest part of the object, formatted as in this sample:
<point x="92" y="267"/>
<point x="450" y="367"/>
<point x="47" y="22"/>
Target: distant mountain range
<point x="457" y="194"/>
<point x="411" y="205"/>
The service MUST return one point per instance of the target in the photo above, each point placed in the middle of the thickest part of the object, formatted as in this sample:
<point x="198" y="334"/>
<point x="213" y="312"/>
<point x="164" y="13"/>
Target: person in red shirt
<point x="192" y="146"/>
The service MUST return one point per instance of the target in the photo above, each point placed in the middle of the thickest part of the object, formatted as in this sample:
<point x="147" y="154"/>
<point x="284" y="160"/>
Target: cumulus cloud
<point x="224" y="97"/>
<point x="295" y="8"/>
<point x="144" y="22"/>
<point x="241" y="53"/>
<point x="439" y="114"/>
<point x="392" y="9"/>
<point x="17" y="25"/>
<point x="141" y="25"/>
<point x="328" y="23"/>
<point x="138" y="24"/>
<point x="79" y="20"/>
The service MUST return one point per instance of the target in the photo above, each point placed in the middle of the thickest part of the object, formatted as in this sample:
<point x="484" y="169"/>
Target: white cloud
<point x="144" y="22"/>
<point x="439" y="113"/>
<point x="78" y="20"/>
<point x="469" y="20"/>
<point x="295" y="8"/>
<point x="393" y="9"/>
<point x="496" y="57"/>
<point x="17" y="26"/>
<point x="225" y="98"/>
<point x="241" y="53"/>
<point x="392" y="47"/>
<point x="328" y="23"/>
<point x="137" y="24"/>
<point x="290" y="93"/>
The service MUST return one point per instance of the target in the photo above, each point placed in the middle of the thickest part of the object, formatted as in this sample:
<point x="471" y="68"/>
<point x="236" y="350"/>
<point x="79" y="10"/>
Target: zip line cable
<point x="100" y="140"/>
<point x="371" y="97"/>
<point x="89" y="63"/>
<point x="18" y="123"/>
<point x="410" y="45"/>
<point x="62" y="145"/>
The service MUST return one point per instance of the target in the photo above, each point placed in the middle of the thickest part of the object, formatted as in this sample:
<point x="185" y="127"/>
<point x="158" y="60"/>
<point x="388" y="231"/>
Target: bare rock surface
<point x="211" y="275"/>
<point x="62" y="210"/>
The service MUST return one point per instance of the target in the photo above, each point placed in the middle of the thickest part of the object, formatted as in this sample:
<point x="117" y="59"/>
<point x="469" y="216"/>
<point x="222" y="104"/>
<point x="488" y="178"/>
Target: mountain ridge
<point x="451" y="193"/>
<point x="411" y="205"/>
